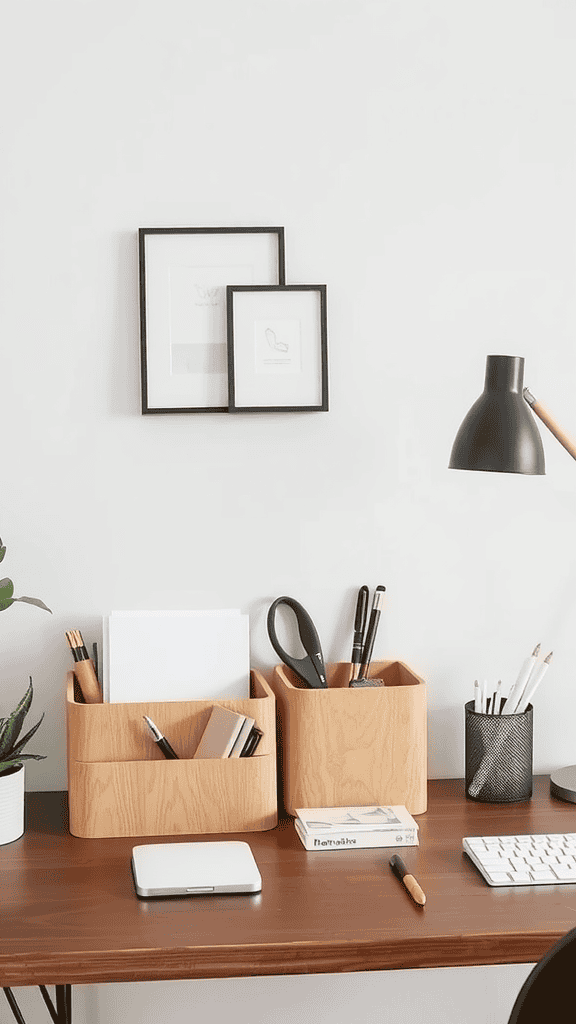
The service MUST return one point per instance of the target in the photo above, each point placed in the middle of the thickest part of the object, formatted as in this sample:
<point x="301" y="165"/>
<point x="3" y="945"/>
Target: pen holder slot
<point x="344" y="746"/>
<point x="498" y="756"/>
<point x="120" y="784"/>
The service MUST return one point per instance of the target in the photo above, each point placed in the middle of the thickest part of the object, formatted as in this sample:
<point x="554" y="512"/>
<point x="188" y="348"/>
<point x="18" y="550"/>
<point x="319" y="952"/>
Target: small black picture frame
<point x="277" y="348"/>
<point x="183" y="274"/>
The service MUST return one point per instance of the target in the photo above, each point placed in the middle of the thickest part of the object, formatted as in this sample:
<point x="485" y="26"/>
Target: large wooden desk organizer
<point x="119" y="783"/>
<point x="342" y="747"/>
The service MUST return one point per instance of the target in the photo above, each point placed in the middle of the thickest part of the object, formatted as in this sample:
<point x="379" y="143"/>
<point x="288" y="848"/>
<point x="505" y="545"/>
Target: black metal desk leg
<point x="64" y="1004"/>
<point x="14" y="1005"/>
<point x="60" y="1014"/>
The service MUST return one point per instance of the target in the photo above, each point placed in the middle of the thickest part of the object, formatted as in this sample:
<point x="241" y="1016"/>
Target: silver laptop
<point x="186" y="869"/>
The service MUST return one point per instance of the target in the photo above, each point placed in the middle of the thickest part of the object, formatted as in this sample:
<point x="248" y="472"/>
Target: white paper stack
<point x="175" y="655"/>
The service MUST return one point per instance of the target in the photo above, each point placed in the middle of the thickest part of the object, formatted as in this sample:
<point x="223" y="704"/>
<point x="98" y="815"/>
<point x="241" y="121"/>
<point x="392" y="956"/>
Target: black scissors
<point x="311" y="669"/>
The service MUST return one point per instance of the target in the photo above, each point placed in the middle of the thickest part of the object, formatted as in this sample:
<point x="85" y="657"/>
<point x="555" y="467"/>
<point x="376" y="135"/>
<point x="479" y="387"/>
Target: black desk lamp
<point x="499" y="435"/>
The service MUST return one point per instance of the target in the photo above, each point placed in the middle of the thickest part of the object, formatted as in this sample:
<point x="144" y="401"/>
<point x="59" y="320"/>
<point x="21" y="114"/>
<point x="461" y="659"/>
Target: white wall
<point x="421" y="157"/>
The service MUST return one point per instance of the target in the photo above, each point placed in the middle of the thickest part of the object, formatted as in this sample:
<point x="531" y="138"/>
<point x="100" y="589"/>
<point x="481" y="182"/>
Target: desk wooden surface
<point x="69" y="912"/>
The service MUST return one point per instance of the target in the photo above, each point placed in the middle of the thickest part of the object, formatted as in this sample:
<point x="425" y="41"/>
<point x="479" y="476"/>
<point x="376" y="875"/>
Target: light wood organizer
<point x="120" y="784"/>
<point x="352" y="747"/>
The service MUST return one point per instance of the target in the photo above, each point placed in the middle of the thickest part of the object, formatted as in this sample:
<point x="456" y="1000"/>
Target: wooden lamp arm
<point x="550" y="422"/>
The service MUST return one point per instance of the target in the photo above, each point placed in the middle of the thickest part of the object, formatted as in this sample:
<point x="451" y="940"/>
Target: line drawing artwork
<point x="209" y="296"/>
<point x="274" y="341"/>
<point x="277" y="346"/>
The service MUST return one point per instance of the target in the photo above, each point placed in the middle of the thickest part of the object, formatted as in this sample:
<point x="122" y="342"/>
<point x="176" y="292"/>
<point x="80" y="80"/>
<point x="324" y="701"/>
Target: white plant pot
<point x="12" y="806"/>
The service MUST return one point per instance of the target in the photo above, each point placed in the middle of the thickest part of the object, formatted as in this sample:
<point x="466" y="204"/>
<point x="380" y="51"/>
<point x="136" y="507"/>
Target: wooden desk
<point x="70" y="914"/>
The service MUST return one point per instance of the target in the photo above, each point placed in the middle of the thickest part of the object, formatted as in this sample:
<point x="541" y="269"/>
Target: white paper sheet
<point x="175" y="655"/>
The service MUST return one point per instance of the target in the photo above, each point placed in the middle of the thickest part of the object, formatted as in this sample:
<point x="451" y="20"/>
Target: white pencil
<point x="518" y="688"/>
<point x="533" y="684"/>
<point x="496" y="699"/>
<point x="477" y="702"/>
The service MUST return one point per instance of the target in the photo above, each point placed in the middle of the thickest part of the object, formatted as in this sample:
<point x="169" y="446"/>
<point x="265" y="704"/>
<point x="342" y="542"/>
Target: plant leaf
<point x="36" y="601"/>
<point x="2" y="551"/>
<point x="23" y="757"/>
<point x="6" y="591"/>
<point x="13" y="725"/>
<point x="3" y="729"/>
<point x="23" y="741"/>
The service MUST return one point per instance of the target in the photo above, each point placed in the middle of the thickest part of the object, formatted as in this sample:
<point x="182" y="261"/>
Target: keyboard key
<point x="565" y="874"/>
<point x="498" y="864"/>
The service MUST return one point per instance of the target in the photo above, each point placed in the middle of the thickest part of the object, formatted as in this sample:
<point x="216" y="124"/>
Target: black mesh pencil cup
<point x="498" y="753"/>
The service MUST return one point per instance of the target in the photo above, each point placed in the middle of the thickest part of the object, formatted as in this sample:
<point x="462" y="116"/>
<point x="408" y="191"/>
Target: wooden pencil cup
<point x="343" y="747"/>
<point x="120" y="784"/>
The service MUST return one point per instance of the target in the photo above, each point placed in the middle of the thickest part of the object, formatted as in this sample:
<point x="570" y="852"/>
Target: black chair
<point x="549" y="988"/>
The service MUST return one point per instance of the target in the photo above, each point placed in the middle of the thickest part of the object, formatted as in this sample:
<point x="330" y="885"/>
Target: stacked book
<point x="228" y="734"/>
<point x="348" y="828"/>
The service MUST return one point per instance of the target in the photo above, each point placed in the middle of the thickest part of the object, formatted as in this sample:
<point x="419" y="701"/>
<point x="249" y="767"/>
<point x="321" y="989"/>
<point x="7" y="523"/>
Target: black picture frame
<point x="183" y="274"/>
<point x="277" y="339"/>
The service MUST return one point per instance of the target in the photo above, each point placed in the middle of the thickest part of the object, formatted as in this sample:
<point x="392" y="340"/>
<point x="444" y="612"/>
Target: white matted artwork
<point x="277" y="348"/>
<point x="183" y="277"/>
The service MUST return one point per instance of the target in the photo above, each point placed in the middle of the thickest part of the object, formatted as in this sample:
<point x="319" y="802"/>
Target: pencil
<point x="84" y="668"/>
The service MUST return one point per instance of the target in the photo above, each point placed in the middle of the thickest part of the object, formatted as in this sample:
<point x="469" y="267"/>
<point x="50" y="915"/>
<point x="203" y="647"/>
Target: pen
<point x="359" y="627"/>
<point x="408" y="881"/>
<point x="496" y="699"/>
<point x="518" y="688"/>
<point x="372" y="627"/>
<point x="533" y="684"/>
<point x="160" y="740"/>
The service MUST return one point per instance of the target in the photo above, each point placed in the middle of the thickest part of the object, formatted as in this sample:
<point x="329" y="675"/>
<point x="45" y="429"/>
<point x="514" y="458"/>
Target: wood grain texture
<point x="170" y="798"/>
<point x="120" y="784"/>
<point x="554" y="427"/>
<point x="116" y="732"/>
<point x="344" y="746"/>
<point x="88" y="682"/>
<point x="69" y="912"/>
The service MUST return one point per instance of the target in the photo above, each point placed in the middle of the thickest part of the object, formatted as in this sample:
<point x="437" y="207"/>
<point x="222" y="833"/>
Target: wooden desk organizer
<point x="119" y="783"/>
<point x="342" y="747"/>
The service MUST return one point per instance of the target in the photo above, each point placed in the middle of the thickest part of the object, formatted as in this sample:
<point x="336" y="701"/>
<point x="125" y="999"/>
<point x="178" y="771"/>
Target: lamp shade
<point x="499" y="434"/>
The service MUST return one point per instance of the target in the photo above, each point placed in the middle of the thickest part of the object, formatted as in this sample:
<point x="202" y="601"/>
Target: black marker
<point x="372" y="627"/>
<point x="359" y="627"/>
<point x="160" y="740"/>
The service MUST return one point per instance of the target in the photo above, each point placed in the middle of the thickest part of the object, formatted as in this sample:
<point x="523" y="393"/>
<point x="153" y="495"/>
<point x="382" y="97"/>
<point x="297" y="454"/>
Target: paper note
<point x="175" y="655"/>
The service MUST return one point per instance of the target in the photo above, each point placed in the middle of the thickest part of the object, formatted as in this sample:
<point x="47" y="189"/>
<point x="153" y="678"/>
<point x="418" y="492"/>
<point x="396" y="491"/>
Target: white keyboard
<point x="524" y="860"/>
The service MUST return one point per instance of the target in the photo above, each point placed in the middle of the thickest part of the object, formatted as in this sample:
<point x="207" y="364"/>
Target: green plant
<point x="11" y="746"/>
<point x="7" y="591"/>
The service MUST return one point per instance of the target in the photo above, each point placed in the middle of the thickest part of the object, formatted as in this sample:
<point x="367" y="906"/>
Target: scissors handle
<point x="311" y="668"/>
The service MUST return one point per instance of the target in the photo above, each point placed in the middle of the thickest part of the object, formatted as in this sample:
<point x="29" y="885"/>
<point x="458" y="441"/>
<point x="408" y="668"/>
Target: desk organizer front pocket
<point x="352" y="747"/>
<point x="119" y="783"/>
